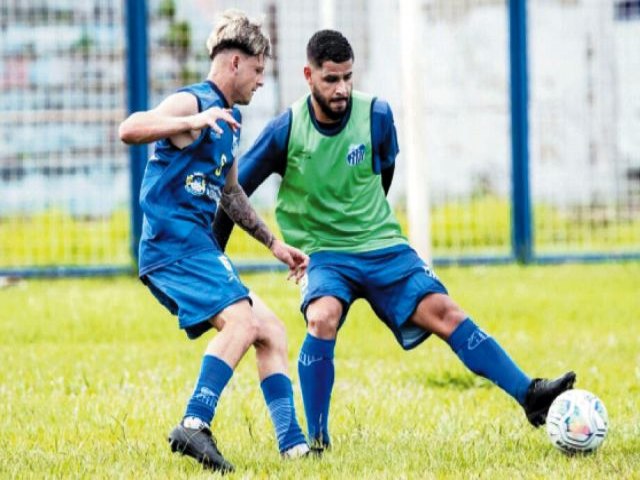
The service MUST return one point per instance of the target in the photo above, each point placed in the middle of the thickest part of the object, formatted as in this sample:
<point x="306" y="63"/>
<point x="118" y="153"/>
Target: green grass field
<point x="95" y="373"/>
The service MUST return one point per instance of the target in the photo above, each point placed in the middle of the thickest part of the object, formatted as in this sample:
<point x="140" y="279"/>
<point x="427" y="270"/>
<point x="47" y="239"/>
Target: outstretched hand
<point x="295" y="259"/>
<point x="210" y="118"/>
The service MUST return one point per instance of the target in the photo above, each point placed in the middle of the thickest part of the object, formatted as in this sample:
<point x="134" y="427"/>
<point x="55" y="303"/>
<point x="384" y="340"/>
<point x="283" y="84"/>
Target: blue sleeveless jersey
<point x="181" y="188"/>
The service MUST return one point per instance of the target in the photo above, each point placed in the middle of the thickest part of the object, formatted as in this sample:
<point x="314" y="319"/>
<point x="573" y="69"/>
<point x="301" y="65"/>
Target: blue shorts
<point x="196" y="289"/>
<point x="393" y="280"/>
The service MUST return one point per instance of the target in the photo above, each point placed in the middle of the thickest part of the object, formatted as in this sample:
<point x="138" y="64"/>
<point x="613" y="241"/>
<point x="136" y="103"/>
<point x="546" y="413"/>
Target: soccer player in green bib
<point x="335" y="149"/>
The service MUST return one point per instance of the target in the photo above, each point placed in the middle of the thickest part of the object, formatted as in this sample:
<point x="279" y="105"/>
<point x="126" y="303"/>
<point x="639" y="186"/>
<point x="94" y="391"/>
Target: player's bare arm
<point x="236" y="204"/>
<point x="176" y="118"/>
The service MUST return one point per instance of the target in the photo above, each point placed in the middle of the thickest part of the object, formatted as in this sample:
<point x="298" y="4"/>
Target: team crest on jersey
<point x="196" y="184"/>
<point x="355" y="155"/>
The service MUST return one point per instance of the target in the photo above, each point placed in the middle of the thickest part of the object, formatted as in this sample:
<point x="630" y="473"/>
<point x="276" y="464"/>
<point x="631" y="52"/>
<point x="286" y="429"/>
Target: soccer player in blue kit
<point x="193" y="169"/>
<point x="335" y="149"/>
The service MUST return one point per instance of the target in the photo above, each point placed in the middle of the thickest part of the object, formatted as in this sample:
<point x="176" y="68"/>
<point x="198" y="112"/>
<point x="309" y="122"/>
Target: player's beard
<point x="246" y="100"/>
<point x="325" y="106"/>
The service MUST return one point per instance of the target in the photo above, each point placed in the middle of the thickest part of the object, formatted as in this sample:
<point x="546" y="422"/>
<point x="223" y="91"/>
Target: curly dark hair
<point x="328" y="45"/>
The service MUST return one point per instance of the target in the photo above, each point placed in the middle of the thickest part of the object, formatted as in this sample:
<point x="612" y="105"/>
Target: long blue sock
<point x="278" y="395"/>
<point x="484" y="356"/>
<point x="316" y="372"/>
<point x="214" y="376"/>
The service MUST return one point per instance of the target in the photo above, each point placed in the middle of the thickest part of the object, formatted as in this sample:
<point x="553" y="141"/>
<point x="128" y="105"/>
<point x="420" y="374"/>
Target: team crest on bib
<point x="355" y="155"/>
<point x="196" y="184"/>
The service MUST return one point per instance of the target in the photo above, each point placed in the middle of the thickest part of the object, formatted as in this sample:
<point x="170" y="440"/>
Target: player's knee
<point x="454" y="316"/>
<point x="272" y="331"/>
<point x="246" y="327"/>
<point x="324" y="322"/>
<point x="449" y="312"/>
<point x="444" y="308"/>
<point x="439" y="314"/>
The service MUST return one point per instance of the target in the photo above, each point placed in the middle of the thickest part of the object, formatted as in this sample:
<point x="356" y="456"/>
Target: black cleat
<point x="541" y="393"/>
<point x="199" y="444"/>
<point x="316" y="452"/>
<point x="318" y="447"/>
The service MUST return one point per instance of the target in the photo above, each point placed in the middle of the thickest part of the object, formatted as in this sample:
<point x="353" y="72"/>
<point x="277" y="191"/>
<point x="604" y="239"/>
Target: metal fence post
<point x="137" y="95"/>
<point x="521" y="216"/>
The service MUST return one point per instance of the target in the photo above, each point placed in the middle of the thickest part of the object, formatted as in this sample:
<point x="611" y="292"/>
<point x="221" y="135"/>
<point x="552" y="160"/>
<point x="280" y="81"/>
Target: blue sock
<point x="214" y="376"/>
<point x="278" y="395"/>
<point x="316" y="372"/>
<point x="484" y="356"/>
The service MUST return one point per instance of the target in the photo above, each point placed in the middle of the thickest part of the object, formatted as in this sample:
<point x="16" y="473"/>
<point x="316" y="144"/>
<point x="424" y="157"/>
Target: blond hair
<point x="235" y="30"/>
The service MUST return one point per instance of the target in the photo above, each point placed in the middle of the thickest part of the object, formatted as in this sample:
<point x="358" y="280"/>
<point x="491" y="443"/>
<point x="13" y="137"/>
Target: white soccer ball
<point x="577" y="422"/>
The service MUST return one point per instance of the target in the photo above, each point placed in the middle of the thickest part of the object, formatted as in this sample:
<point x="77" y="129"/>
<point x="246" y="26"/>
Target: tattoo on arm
<point x="236" y="203"/>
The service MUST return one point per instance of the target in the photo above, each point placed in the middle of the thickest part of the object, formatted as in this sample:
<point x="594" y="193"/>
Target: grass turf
<point x="95" y="373"/>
